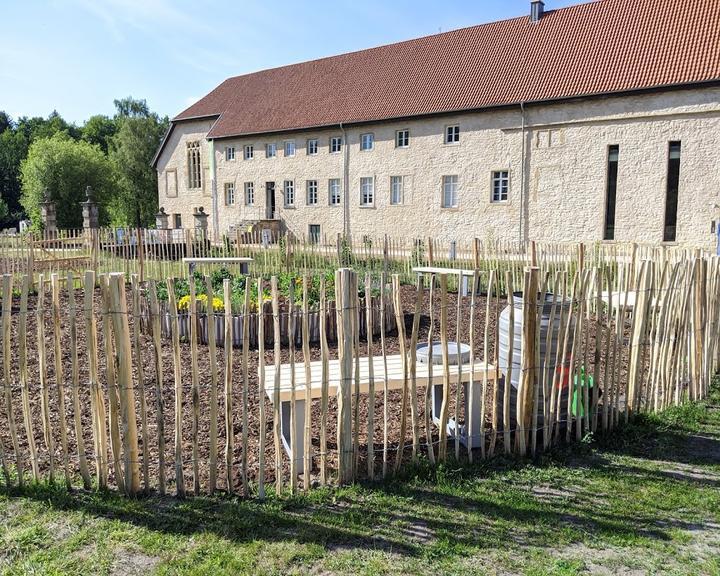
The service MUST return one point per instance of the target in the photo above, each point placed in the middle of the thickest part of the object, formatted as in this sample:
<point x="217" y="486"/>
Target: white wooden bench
<point x="242" y="262"/>
<point x="294" y="440"/>
<point x="463" y="275"/>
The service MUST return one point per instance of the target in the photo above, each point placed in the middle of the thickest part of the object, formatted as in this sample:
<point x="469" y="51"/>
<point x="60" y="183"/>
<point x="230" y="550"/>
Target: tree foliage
<point x="99" y="129"/>
<point x="123" y="145"/>
<point x="131" y="152"/>
<point x="65" y="167"/>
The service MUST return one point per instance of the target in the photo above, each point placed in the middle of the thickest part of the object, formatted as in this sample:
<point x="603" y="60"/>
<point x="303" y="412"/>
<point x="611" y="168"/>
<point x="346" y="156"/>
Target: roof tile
<point x="601" y="47"/>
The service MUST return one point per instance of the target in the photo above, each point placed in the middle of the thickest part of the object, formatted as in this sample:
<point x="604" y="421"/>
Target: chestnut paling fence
<point x="158" y="254"/>
<point x="95" y="390"/>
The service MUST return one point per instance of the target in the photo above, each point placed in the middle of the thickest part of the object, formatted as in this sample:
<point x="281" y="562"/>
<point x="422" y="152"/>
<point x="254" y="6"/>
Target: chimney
<point x="537" y="8"/>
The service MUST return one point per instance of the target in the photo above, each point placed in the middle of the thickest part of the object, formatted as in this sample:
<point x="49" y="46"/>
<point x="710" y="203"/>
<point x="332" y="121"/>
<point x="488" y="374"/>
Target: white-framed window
<point x="334" y="191"/>
<point x="335" y="144"/>
<point x="312" y="147"/>
<point x="249" y="193"/>
<point x="230" y="153"/>
<point x="229" y="193"/>
<point x="177" y="220"/>
<point x="194" y="165"/>
<point x="289" y="192"/>
<point x="270" y="150"/>
<point x="450" y="191"/>
<point x="367" y="191"/>
<point x="367" y="141"/>
<point x="312" y="192"/>
<point x="397" y="190"/>
<point x="452" y="134"/>
<point x="249" y="152"/>
<point x="289" y="148"/>
<point x="402" y="138"/>
<point x="500" y="185"/>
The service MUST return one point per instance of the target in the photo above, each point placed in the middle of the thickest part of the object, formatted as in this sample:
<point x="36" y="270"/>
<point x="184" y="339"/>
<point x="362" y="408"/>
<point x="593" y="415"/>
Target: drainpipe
<point x="521" y="233"/>
<point x="213" y="189"/>
<point x="346" y="182"/>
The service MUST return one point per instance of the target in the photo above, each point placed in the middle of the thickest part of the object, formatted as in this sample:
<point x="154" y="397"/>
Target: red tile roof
<point x="601" y="47"/>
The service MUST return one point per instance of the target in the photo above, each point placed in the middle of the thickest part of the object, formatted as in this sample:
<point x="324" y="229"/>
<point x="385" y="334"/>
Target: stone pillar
<point x="201" y="222"/>
<point x="48" y="214"/>
<point x="161" y="220"/>
<point x="90" y="211"/>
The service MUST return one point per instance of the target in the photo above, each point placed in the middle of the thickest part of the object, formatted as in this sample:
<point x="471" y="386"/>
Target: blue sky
<point x="76" y="56"/>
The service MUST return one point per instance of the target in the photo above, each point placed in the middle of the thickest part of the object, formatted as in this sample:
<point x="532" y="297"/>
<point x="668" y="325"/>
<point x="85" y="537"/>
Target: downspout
<point x="522" y="173"/>
<point x="346" y="182"/>
<point x="213" y="189"/>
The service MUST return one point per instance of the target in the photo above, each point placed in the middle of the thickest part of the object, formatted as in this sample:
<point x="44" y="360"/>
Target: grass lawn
<point x="645" y="499"/>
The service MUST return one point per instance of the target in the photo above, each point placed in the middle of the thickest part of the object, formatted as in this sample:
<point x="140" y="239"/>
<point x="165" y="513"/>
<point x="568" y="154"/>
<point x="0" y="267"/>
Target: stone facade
<point x="563" y="152"/>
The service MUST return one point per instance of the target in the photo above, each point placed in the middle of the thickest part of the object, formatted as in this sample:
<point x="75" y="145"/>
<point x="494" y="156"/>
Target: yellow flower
<point x="201" y="303"/>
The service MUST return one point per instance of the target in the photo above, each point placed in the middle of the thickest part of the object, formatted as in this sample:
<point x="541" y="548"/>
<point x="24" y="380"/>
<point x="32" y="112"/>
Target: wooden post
<point x="383" y="349"/>
<point x="55" y="285"/>
<point x="75" y="383"/>
<point x="345" y="301"/>
<point x="470" y="396"/>
<point x="526" y="391"/>
<point x="121" y="331"/>
<point x="228" y="392"/>
<point x="324" y="391"/>
<point x="429" y="386"/>
<point x="511" y="350"/>
<point x="159" y="403"/>
<point x="24" y="387"/>
<point x="413" y="367"/>
<point x="195" y="385"/>
<point x="110" y="376"/>
<point x="6" y="339"/>
<point x="293" y="397"/>
<point x="307" y="459"/>
<point x="400" y="321"/>
<point x="209" y="293"/>
<point x="137" y="345"/>
<point x="638" y="336"/>
<point x="177" y="372"/>
<point x="445" y="407"/>
<point x="261" y="386"/>
<point x="371" y="376"/>
<point x="276" y="385"/>
<point x="245" y="386"/>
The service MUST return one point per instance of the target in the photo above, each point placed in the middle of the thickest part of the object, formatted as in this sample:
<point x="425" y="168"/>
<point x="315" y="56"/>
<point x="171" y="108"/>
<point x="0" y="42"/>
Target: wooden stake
<point x="75" y="383"/>
<point x="209" y="293"/>
<point x="307" y="445"/>
<point x="324" y="384"/>
<point x="121" y="331"/>
<point x="24" y="385"/>
<point x="276" y="385"/>
<point x="228" y="390"/>
<point x="179" y="474"/>
<point x="261" y="386"/>
<point x="55" y="285"/>
<point x="6" y="336"/>
<point x="159" y="403"/>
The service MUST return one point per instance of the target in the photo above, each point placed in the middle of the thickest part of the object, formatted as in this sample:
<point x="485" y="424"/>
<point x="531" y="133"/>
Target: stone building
<point x="600" y="121"/>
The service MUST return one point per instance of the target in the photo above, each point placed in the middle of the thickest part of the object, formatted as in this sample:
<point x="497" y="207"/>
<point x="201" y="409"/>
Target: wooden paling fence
<point x="95" y="393"/>
<point x="158" y="254"/>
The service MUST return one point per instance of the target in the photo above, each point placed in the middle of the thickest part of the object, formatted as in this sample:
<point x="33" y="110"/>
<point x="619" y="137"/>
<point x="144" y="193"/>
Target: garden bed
<point x="315" y="318"/>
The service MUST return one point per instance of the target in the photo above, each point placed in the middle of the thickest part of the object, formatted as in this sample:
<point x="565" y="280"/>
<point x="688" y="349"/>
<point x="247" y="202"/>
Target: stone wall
<point x="565" y="165"/>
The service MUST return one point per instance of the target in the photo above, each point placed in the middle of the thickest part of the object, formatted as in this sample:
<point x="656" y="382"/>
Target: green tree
<point x="65" y="168"/>
<point x="5" y="121"/>
<point x="131" y="153"/>
<point x="131" y="108"/>
<point x="38" y="127"/>
<point x="13" y="148"/>
<point x="99" y="129"/>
